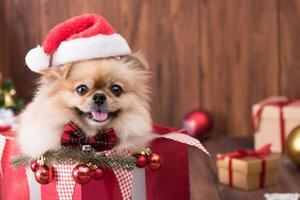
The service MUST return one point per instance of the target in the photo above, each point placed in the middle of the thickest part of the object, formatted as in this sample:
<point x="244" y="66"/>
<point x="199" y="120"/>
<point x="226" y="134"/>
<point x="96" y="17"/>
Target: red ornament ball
<point x="98" y="173"/>
<point x="82" y="174"/>
<point x="141" y="161"/>
<point x="34" y="166"/>
<point x="198" y="123"/>
<point x="44" y="174"/>
<point x="154" y="161"/>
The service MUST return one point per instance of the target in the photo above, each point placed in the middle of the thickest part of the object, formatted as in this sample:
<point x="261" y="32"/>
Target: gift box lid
<point x="271" y="111"/>
<point x="249" y="165"/>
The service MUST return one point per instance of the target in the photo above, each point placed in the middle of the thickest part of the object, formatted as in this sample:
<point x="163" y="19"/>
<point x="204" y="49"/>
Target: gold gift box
<point x="269" y="130"/>
<point x="247" y="171"/>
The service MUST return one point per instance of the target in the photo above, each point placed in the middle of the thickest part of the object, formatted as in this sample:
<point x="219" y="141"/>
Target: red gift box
<point x="169" y="182"/>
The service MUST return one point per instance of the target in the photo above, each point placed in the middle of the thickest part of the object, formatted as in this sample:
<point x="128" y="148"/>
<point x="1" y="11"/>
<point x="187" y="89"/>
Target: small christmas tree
<point x="8" y="97"/>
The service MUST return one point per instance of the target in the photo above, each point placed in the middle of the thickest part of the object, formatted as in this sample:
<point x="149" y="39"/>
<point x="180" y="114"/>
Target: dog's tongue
<point x="99" y="116"/>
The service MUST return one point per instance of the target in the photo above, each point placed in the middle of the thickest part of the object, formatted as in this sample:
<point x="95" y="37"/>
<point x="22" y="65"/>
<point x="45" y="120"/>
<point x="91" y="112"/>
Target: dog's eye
<point x="116" y="89"/>
<point x="82" y="90"/>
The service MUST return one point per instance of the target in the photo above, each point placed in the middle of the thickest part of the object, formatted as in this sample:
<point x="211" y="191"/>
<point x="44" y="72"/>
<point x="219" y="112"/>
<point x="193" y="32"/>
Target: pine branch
<point x="21" y="160"/>
<point x="70" y="156"/>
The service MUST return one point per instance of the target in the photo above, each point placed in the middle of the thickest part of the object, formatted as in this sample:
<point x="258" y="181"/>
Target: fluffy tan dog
<point x="96" y="95"/>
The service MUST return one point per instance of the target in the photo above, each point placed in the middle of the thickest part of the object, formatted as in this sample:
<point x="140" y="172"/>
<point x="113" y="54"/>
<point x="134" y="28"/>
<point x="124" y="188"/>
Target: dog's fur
<point x="56" y="103"/>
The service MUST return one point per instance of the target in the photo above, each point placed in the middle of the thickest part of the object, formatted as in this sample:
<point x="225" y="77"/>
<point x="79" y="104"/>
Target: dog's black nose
<point x="99" y="99"/>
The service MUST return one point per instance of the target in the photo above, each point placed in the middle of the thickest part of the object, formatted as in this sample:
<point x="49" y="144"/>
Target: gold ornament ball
<point x="293" y="145"/>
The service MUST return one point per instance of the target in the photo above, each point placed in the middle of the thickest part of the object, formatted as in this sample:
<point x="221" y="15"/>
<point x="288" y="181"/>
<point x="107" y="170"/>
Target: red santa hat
<point x="80" y="38"/>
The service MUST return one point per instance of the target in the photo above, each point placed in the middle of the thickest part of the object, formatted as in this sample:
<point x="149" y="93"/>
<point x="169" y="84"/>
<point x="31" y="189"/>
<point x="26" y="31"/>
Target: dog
<point x="95" y="94"/>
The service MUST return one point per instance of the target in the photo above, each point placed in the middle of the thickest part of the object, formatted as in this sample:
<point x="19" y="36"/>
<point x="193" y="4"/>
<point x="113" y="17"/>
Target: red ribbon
<point x="4" y="128"/>
<point x="280" y="104"/>
<point x="265" y="150"/>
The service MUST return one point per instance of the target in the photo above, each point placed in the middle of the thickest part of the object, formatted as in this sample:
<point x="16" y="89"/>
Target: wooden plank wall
<point x="222" y="56"/>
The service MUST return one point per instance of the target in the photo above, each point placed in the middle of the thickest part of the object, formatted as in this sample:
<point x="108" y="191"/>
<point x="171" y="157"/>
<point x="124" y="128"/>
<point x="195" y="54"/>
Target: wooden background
<point x="219" y="55"/>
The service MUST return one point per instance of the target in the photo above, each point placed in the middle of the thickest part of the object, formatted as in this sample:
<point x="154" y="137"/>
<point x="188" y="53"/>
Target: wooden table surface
<point x="204" y="179"/>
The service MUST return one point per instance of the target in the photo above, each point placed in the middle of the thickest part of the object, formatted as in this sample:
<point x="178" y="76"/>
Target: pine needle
<point x="70" y="156"/>
<point x="21" y="161"/>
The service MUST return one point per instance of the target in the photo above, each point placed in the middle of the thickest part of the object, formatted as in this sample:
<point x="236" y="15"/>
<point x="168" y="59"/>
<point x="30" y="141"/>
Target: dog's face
<point x="99" y="92"/>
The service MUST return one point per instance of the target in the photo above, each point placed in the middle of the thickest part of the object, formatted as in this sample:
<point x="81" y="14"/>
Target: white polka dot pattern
<point x="183" y="138"/>
<point x="124" y="177"/>
<point x="64" y="182"/>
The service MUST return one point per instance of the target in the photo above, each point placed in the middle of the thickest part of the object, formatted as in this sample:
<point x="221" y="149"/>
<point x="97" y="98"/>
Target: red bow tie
<point x="74" y="136"/>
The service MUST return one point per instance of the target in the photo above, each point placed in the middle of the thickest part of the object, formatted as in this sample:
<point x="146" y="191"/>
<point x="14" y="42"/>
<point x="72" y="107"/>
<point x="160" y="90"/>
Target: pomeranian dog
<point x="96" y="95"/>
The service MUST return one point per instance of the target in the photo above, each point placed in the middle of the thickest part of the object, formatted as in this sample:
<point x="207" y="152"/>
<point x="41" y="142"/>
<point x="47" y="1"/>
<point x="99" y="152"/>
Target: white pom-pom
<point x="37" y="60"/>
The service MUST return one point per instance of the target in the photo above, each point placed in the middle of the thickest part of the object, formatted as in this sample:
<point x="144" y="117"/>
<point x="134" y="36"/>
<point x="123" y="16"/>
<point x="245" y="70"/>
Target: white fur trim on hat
<point x="99" y="46"/>
<point x="36" y="59"/>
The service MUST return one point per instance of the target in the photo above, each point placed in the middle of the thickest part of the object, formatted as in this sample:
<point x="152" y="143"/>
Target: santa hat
<point x="80" y="38"/>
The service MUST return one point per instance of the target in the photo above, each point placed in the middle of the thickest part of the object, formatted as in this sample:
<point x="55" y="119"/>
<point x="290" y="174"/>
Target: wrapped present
<point x="248" y="169"/>
<point x="273" y="120"/>
<point x="142" y="183"/>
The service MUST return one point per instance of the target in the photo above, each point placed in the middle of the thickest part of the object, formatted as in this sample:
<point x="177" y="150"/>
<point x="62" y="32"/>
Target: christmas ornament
<point x="154" y="161"/>
<point x="34" y="166"/>
<point x="82" y="174"/>
<point x="141" y="161"/>
<point x="8" y="100"/>
<point x="8" y="96"/>
<point x="147" y="158"/>
<point x="44" y="174"/>
<point x="293" y="145"/>
<point x="70" y="155"/>
<point x="98" y="173"/>
<point x="198" y="123"/>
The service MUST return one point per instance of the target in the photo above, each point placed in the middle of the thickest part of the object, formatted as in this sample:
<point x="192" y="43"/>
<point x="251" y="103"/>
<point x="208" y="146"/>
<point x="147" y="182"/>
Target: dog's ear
<point x="60" y="72"/>
<point x="137" y="61"/>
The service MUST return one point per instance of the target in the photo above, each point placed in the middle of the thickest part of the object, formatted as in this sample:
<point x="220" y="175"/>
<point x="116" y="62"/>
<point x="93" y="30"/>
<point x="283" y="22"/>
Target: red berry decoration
<point x="82" y="174"/>
<point x="98" y="173"/>
<point x="198" y="123"/>
<point x="34" y="166"/>
<point x="44" y="174"/>
<point x="154" y="161"/>
<point x="141" y="161"/>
